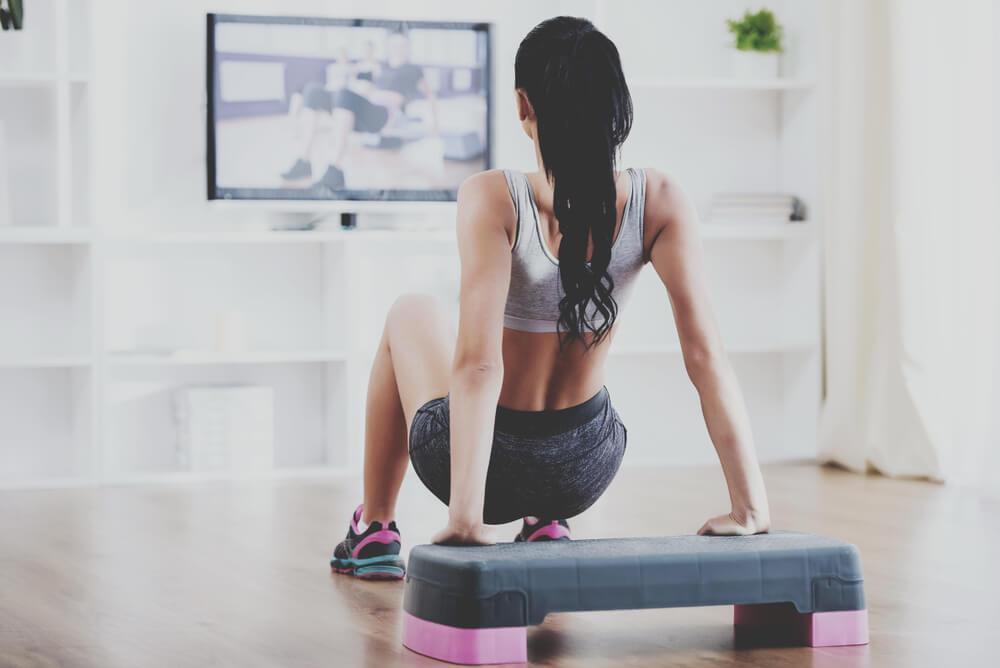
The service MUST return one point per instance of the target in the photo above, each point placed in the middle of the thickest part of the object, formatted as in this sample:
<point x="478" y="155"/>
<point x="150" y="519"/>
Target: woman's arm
<point x="485" y="228"/>
<point x="677" y="256"/>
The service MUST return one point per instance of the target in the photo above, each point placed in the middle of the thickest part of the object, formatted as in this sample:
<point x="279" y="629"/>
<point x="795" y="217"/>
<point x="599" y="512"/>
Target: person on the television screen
<point x="345" y="108"/>
<point x="368" y="67"/>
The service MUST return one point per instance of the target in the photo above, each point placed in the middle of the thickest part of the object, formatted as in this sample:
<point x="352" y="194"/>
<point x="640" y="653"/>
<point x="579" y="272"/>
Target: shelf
<point x="44" y="235"/>
<point x="637" y="350"/>
<point x="45" y="362"/>
<point x="259" y="236"/>
<point x="757" y="231"/>
<point x="325" y="206"/>
<point x="722" y="83"/>
<point x="179" y="477"/>
<point x="735" y="231"/>
<point x="249" y="236"/>
<point x="41" y="78"/>
<point x="440" y="235"/>
<point x="57" y="482"/>
<point x="202" y="358"/>
<point x="173" y="477"/>
<point x="27" y="79"/>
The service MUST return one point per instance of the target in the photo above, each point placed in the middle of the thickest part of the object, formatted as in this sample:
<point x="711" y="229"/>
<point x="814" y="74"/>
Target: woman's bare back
<point x="538" y="373"/>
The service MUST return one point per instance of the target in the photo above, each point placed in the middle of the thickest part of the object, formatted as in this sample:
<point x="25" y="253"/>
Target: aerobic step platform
<point x="473" y="604"/>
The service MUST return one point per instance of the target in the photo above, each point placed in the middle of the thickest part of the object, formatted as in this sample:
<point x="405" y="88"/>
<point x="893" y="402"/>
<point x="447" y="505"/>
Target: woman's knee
<point x="414" y="306"/>
<point x="416" y="316"/>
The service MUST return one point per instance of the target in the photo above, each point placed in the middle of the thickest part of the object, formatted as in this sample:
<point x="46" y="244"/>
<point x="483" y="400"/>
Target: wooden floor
<point x="236" y="574"/>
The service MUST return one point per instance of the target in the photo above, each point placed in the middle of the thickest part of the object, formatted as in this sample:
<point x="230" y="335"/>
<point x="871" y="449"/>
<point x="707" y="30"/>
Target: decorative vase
<point x="756" y="64"/>
<point x="230" y="332"/>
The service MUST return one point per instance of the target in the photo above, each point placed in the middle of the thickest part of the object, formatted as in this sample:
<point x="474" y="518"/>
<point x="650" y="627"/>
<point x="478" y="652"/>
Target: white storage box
<point x="225" y="428"/>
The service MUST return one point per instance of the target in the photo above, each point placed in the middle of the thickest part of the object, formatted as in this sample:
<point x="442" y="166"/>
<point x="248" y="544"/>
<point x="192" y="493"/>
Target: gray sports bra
<point x="535" y="289"/>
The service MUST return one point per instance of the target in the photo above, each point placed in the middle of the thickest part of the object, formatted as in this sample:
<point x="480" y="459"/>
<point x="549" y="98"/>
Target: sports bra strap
<point x="524" y="207"/>
<point x="535" y="286"/>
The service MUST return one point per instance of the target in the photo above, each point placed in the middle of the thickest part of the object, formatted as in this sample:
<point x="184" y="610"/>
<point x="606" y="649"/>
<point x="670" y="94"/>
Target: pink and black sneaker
<point x="534" y="530"/>
<point x="372" y="554"/>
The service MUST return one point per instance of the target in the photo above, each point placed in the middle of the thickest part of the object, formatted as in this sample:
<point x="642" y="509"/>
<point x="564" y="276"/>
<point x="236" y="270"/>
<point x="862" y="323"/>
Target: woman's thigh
<point x="421" y="341"/>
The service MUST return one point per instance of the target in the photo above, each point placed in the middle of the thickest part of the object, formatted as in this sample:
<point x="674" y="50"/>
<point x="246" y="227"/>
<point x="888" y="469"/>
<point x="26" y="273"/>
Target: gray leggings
<point x="547" y="464"/>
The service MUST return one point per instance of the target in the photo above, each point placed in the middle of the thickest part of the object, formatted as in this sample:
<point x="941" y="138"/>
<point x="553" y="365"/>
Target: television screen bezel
<point x="217" y="193"/>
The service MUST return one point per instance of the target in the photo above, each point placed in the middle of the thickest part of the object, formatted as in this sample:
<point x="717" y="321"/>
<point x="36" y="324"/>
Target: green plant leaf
<point x="16" y="13"/>
<point x="758" y="31"/>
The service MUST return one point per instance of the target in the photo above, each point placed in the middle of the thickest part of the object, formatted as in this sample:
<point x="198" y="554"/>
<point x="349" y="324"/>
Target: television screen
<point x="359" y="109"/>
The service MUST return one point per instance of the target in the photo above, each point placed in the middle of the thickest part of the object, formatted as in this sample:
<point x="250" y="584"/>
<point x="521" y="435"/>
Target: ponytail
<point x="572" y="76"/>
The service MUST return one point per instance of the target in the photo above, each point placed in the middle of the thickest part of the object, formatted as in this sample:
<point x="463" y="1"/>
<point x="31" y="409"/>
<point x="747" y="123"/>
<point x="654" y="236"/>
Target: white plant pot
<point x="756" y="65"/>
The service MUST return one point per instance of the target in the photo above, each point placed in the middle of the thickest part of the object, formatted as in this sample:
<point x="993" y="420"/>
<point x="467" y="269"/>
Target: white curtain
<point x="912" y="284"/>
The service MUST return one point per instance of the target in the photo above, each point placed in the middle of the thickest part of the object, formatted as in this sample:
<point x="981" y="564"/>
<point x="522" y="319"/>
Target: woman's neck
<point x="538" y="156"/>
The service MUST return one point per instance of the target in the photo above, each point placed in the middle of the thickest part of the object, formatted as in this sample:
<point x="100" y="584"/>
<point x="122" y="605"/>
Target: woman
<point x="512" y="420"/>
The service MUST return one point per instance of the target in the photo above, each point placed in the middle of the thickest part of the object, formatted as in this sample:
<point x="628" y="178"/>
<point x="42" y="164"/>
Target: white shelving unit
<point x="116" y="272"/>
<point x="48" y="383"/>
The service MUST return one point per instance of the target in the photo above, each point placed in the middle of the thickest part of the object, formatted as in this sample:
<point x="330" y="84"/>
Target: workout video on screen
<point x="380" y="110"/>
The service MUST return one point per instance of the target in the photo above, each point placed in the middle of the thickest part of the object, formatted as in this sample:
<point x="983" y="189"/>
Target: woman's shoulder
<point x="667" y="202"/>
<point x="661" y="188"/>
<point x="484" y="199"/>
<point x="487" y="185"/>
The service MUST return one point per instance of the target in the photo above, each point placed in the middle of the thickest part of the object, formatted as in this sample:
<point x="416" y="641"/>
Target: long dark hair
<point x="573" y="78"/>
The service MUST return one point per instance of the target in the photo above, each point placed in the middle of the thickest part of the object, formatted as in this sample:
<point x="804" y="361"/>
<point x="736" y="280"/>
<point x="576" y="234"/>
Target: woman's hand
<point x="733" y="524"/>
<point x="473" y="534"/>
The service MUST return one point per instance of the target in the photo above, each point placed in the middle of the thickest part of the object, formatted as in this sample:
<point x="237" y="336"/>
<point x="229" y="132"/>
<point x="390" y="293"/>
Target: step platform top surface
<point x="666" y="547"/>
<point x="456" y="584"/>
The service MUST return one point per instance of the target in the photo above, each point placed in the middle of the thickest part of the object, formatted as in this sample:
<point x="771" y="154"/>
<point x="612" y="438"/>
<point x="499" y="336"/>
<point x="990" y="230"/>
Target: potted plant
<point x="758" y="45"/>
<point x="12" y="16"/>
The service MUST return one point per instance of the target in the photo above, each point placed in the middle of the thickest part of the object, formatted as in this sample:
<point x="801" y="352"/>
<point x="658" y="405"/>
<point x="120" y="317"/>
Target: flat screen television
<point x="345" y="109"/>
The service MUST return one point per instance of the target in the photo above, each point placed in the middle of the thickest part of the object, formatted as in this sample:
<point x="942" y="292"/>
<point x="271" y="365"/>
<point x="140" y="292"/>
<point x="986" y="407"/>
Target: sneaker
<point x="302" y="169"/>
<point x="372" y="554"/>
<point x="331" y="181"/>
<point x="534" y="530"/>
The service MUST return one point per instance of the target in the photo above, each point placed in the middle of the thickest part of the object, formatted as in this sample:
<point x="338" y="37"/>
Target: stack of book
<point x="756" y="208"/>
<point x="225" y="428"/>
